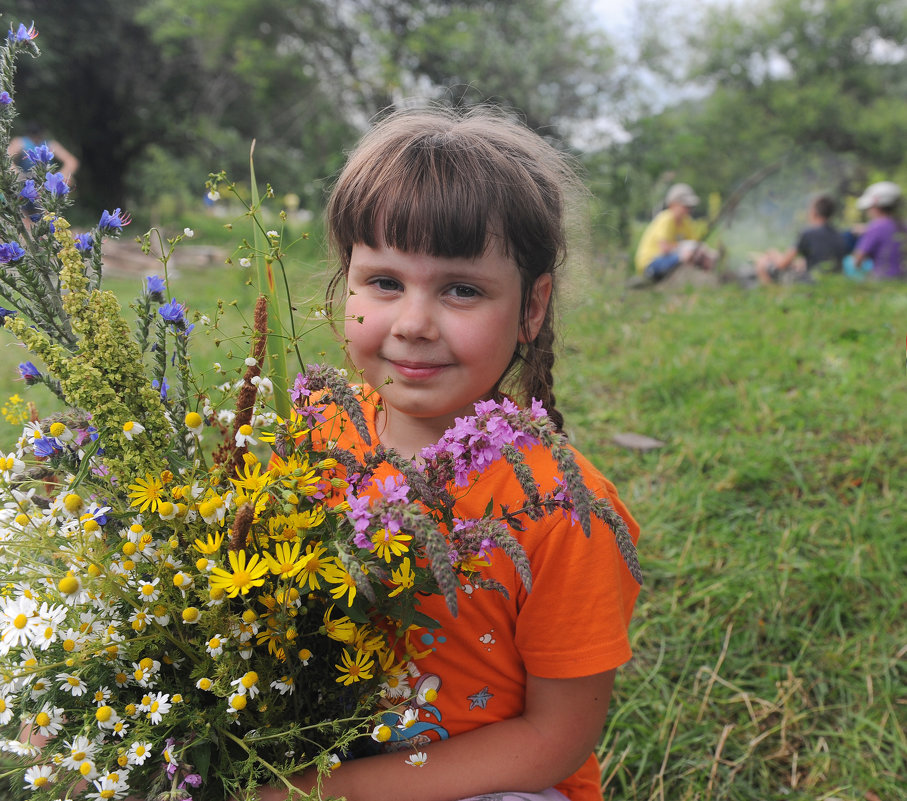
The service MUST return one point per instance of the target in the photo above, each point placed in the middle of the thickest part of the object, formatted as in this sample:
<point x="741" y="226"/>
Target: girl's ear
<point x="536" y="308"/>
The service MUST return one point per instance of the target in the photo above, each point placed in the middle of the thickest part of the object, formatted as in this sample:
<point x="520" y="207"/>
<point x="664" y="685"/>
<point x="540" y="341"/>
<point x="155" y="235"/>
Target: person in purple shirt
<point x="885" y="238"/>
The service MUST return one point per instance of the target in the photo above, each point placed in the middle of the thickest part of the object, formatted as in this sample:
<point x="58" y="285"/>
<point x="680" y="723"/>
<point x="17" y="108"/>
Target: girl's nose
<point x="414" y="319"/>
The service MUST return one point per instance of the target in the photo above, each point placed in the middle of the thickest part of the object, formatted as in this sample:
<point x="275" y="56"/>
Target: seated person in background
<point x="670" y="239"/>
<point x="884" y="240"/>
<point x="819" y="244"/>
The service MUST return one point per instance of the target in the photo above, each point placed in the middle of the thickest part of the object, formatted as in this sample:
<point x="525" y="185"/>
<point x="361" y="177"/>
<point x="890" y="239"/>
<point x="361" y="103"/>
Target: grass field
<point x="771" y="634"/>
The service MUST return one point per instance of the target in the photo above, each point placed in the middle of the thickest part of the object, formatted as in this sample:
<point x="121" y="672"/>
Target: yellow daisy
<point x="212" y="545"/>
<point x="146" y="493"/>
<point x="355" y="668"/>
<point x="286" y="562"/>
<point x="389" y="544"/>
<point x="315" y="565"/>
<point x="344" y="583"/>
<point x="243" y="576"/>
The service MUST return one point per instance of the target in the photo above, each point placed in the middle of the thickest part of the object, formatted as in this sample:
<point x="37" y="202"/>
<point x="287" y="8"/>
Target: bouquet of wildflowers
<point x="182" y="621"/>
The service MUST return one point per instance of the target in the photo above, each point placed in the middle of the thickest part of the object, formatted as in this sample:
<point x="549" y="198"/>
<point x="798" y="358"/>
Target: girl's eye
<point x="387" y="284"/>
<point x="464" y="291"/>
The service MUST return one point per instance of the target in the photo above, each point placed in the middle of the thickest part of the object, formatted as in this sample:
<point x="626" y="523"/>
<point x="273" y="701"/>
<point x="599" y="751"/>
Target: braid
<point x="537" y="377"/>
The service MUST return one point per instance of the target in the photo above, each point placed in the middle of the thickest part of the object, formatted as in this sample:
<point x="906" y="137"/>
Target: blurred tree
<point x="828" y="71"/>
<point x="103" y="88"/>
<point x="541" y="57"/>
<point x="194" y="81"/>
<point x="743" y="86"/>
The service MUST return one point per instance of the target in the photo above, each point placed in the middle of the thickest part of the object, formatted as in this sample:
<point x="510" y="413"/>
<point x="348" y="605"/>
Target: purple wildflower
<point x="29" y="373"/>
<point x="157" y="384"/>
<point x="4" y="313"/>
<point x="56" y="184"/>
<point x="23" y="34"/>
<point x="113" y="221"/>
<point x="84" y="243"/>
<point x="192" y="779"/>
<point x="39" y="154"/>
<point x="174" y="313"/>
<point x="46" y="446"/>
<point x="10" y="251"/>
<point x="300" y="389"/>
<point x="29" y="191"/>
<point x="359" y="514"/>
<point x="5" y="99"/>
<point x="394" y="489"/>
<point x="155" y="287"/>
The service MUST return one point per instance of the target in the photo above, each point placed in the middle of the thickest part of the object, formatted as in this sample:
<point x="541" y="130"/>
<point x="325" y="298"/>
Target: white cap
<point x="683" y="194"/>
<point x="884" y="193"/>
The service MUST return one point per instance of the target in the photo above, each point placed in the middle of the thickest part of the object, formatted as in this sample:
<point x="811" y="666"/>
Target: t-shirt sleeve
<point x="869" y="242"/>
<point x="575" y="620"/>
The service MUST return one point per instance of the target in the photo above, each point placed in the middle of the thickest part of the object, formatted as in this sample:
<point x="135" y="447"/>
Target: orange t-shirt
<point x="573" y="623"/>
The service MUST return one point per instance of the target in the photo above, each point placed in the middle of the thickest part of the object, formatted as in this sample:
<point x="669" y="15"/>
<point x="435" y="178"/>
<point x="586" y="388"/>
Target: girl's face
<point x="442" y="330"/>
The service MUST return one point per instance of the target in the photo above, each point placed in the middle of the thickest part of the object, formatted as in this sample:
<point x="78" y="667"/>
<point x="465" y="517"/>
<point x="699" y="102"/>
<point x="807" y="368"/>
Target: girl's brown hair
<point x="444" y="183"/>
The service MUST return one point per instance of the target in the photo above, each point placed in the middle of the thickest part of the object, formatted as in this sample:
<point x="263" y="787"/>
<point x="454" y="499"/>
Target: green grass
<point x="770" y="636"/>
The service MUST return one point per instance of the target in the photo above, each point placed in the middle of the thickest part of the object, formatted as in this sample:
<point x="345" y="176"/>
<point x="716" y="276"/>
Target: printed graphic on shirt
<point x="409" y="727"/>
<point x="480" y="699"/>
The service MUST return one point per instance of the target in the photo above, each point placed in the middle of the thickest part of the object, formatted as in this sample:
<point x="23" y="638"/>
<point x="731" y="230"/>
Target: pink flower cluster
<point x="475" y="442"/>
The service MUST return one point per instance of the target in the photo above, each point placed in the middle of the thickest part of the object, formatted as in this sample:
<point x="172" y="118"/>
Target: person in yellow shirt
<point x="670" y="239"/>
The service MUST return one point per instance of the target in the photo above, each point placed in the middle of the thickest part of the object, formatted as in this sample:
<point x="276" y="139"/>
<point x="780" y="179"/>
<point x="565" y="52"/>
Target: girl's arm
<point x="558" y="730"/>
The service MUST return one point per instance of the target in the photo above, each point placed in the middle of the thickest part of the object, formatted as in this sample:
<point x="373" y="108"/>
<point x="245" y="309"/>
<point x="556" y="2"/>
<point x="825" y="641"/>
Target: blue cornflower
<point x="5" y="99"/>
<point x="113" y="221"/>
<point x="4" y="313"/>
<point x="40" y="154"/>
<point x="29" y="191"/>
<point x="56" y="184"/>
<point x="29" y="373"/>
<point x="46" y="446"/>
<point x="84" y="243"/>
<point x="173" y="312"/>
<point x="23" y="34"/>
<point x="156" y="384"/>
<point x="155" y="287"/>
<point x="10" y="251"/>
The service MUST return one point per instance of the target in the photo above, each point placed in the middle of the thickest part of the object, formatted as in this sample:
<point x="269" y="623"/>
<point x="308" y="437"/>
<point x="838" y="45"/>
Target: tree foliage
<point x="185" y="85"/>
<point x="774" y="80"/>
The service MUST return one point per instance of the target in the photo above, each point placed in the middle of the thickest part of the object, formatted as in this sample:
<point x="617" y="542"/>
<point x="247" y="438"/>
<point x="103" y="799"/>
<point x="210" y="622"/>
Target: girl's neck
<point x="406" y="435"/>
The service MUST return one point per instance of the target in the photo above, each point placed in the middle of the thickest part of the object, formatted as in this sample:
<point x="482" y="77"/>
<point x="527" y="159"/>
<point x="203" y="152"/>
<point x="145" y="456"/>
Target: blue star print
<point x="481" y="698"/>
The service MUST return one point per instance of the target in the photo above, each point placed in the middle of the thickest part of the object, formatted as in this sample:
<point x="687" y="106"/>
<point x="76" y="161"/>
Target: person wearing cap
<point x="884" y="240"/>
<point x="670" y="239"/>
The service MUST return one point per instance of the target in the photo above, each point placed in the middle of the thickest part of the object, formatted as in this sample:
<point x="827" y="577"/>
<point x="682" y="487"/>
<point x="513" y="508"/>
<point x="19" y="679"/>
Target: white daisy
<point x="139" y="751"/>
<point x="215" y="646"/>
<point x="38" y="776"/>
<point x="418" y="759"/>
<point x="71" y="684"/>
<point x="49" y="721"/>
<point x="81" y="750"/>
<point x="247" y="684"/>
<point x="283" y="685"/>
<point x="148" y="591"/>
<point x="6" y="708"/>
<point x="109" y="789"/>
<point x="17" y="622"/>
<point x="132" y="429"/>
<point x="244" y="436"/>
<point x="106" y="717"/>
<point x="160" y="706"/>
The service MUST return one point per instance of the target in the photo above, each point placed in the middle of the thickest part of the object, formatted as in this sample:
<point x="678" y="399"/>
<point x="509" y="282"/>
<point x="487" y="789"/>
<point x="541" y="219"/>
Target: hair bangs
<point x="433" y="194"/>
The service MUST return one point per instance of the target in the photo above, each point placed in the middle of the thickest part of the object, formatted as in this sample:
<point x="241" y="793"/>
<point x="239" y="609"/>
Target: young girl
<point x="449" y="231"/>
